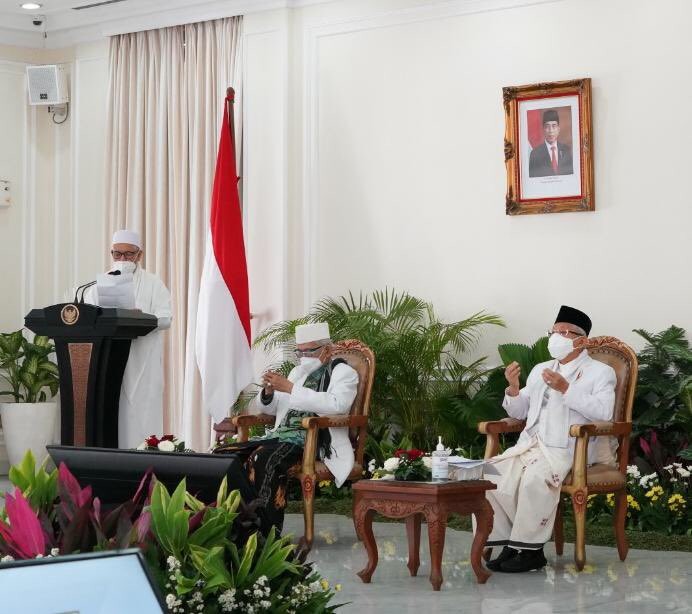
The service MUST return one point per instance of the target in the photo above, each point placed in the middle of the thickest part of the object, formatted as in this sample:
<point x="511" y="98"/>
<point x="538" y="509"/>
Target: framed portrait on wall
<point x="548" y="147"/>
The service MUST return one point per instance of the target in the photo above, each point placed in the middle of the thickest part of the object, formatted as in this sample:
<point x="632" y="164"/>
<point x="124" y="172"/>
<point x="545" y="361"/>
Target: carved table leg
<point x="413" y="534"/>
<point x="484" y="525"/>
<point x="437" y="525"/>
<point x="363" y="520"/>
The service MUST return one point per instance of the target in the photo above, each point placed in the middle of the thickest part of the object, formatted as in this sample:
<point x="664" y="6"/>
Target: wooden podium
<point x="92" y="345"/>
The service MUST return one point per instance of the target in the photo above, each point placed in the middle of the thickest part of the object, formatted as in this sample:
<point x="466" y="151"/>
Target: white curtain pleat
<point x="166" y="93"/>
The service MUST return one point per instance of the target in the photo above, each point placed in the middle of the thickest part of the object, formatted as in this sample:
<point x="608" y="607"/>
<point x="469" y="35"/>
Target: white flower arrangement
<point x="393" y="464"/>
<point x="165" y="443"/>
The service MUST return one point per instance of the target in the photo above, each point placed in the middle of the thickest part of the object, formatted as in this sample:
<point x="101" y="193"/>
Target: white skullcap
<point x="306" y="333"/>
<point x="130" y="237"/>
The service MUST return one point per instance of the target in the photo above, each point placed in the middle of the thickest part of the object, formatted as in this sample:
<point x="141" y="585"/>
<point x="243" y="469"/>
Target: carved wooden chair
<point x="310" y="470"/>
<point x="596" y="479"/>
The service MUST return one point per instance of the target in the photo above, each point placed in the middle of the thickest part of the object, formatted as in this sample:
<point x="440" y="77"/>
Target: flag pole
<point x="230" y="100"/>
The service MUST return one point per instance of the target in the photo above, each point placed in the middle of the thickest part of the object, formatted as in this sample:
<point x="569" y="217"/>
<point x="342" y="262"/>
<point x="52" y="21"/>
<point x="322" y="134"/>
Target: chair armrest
<point x="334" y="421"/>
<point x="252" y="420"/>
<point x="583" y="432"/>
<point x="497" y="427"/>
<point x="595" y="429"/>
<point x="312" y="425"/>
<point x="493" y="430"/>
<point x="243" y="423"/>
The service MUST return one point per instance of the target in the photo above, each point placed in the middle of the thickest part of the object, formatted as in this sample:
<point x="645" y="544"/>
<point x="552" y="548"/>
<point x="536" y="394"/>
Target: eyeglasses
<point x="123" y="255"/>
<point x="311" y="352"/>
<point x="564" y="333"/>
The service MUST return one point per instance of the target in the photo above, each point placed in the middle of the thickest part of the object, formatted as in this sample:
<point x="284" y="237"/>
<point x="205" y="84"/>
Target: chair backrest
<point x="623" y="360"/>
<point x="361" y="358"/>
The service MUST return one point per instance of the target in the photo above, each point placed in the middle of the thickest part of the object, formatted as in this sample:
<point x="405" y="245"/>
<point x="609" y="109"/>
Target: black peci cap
<point x="551" y="116"/>
<point x="574" y="316"/>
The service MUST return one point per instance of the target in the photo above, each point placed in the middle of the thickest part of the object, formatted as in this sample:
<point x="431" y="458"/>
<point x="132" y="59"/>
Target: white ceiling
<point x="64" y="26"/>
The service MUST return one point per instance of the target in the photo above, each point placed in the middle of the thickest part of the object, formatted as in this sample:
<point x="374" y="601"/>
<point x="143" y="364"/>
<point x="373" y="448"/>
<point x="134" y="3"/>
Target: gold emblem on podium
<point x="69" y="314"/>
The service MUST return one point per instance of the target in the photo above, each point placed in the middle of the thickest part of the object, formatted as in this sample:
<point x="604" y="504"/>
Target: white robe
<point x="141" y="394"/>
<point x="337" y="400"/>
<point x="529" y="474"/>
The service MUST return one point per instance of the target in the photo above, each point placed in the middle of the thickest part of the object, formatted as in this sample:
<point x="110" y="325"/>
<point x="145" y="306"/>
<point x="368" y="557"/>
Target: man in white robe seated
<point x="141" y="395"/>
<point x="319" y="385"/>
<point x="572" y="389"/>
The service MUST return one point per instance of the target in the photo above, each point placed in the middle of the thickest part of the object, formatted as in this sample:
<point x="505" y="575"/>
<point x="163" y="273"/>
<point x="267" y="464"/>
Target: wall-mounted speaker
<point x="47" y="84"/>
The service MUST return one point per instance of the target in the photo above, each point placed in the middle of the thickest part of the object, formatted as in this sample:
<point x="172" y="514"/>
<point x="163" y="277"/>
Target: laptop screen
<point x="96" y="583"/>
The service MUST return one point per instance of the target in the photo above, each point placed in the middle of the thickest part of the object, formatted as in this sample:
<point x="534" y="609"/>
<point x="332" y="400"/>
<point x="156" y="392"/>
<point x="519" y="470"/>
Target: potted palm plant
<point x="418" y="356"/>
<point x="30" y="420"/>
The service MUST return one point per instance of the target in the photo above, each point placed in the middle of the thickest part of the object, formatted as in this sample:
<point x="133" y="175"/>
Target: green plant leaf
<point x="211" y="565"/>
<point x="248" y="554"/>
<point x="159" y="517"/>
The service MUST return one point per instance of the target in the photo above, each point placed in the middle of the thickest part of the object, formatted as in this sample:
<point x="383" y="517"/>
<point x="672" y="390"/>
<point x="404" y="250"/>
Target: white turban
<point x="307" y="333"/>
<point x="130" y="237"/>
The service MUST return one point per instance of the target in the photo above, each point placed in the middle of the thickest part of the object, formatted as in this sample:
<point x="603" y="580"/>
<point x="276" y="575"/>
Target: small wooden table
<point x="413" y="500"/>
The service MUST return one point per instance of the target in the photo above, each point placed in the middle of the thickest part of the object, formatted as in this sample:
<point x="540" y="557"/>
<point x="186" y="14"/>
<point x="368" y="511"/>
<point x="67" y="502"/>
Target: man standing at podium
<point x="141" y="395"/>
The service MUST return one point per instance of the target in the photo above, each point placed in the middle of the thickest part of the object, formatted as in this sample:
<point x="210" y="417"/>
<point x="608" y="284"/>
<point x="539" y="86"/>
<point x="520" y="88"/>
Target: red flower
<point x="410" y="455"/>
<point x="152" y="441"/>
<point x="168" y="438"/>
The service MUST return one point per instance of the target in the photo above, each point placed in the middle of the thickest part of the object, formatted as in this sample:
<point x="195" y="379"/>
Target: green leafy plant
<point x="327" y="489"/>
<point x="418" y="357"/>
<point x="411" y="466"/>
<point x="379" y="450"/>
<point x="26" y="367"/>
<point x="206" y="557"/>
<point x="662" y="413"/>
<point x="37" y="485"/>
<point x="479" y="396"/>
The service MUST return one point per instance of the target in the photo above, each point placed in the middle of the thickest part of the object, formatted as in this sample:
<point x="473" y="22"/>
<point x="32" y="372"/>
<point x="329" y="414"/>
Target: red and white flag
<point x="223" y="311"/>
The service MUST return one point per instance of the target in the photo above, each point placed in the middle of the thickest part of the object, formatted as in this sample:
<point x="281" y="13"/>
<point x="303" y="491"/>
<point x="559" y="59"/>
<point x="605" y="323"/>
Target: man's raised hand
<point x="512" y="373"/>
<point x="275" y="381"/>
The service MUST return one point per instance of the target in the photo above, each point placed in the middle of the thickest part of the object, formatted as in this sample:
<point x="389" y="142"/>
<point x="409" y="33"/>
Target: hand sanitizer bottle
<point x="440" y="461"/>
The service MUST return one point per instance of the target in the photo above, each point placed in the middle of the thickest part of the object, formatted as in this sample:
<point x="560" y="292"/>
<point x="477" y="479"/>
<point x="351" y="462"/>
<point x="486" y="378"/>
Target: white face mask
<point x="124" y="266"/>
<point x="559" y="346"/>
<point x="310" y="363"/>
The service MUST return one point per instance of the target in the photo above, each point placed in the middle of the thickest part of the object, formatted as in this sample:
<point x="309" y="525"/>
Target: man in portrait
<point x="550" y="157"/>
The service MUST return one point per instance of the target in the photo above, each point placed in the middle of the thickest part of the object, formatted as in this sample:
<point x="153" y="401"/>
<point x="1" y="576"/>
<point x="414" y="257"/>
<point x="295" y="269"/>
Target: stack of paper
<point x="469" y="463"/>
<point x="461" y="468"/>
<point x="116" y="290"/>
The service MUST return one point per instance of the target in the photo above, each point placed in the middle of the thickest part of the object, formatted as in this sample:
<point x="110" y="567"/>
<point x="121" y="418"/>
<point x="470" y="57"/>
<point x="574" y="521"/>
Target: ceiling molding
<point x="65" y="27"/>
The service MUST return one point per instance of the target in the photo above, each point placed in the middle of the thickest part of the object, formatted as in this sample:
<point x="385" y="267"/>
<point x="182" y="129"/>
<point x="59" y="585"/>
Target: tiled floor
<point x="646" y="582"/>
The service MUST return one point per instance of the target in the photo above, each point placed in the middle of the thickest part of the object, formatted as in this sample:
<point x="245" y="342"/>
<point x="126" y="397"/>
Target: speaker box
<point x="47" y="84"/>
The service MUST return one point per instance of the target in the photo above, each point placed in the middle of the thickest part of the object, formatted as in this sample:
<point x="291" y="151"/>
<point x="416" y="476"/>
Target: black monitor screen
<point x="114" y="475"/>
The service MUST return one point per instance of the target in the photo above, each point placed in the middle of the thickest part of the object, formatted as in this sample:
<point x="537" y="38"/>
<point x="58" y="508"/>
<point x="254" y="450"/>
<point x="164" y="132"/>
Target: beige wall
<point x="53" y="232"/>
<point x="396" y="174"/>
<point x="14" y="119"/>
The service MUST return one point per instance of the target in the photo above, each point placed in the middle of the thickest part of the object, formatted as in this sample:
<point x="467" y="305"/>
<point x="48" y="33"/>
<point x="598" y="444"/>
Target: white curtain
<point x="165" y="104"/>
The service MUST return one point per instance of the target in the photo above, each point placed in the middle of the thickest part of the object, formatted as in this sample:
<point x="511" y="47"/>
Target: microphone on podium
<point x="83" y="288"/>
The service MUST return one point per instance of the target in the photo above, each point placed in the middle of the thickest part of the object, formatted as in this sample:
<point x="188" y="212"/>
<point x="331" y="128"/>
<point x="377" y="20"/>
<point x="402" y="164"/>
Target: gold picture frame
<point x="549" y="147"/>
